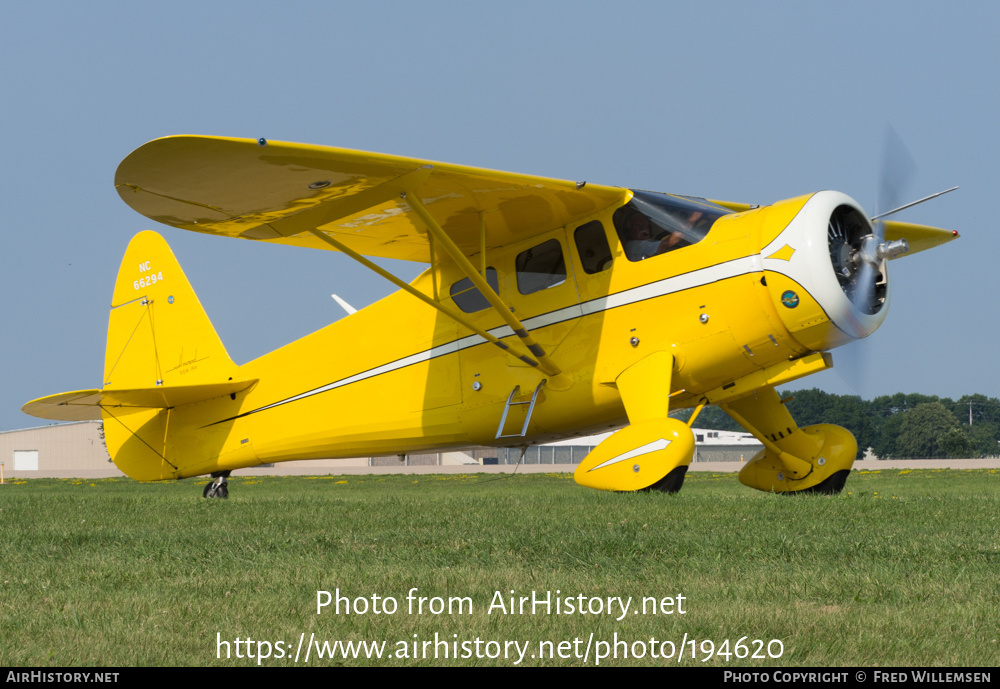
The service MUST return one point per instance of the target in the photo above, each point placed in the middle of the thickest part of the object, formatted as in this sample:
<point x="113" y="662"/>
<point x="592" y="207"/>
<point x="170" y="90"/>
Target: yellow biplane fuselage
<point x="595" y="338"/>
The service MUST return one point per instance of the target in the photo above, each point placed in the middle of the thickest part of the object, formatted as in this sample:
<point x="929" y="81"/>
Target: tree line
<point x="892" y="426"/>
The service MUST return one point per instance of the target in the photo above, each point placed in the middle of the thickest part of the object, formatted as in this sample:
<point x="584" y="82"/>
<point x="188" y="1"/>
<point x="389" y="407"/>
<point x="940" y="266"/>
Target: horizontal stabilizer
<point x="85" y="405"/>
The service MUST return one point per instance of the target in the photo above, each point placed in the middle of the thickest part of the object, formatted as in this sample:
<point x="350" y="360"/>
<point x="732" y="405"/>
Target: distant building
<point x="63" y="450"/>
<point x="76" y="450"/>
<point x="710" y="446"/>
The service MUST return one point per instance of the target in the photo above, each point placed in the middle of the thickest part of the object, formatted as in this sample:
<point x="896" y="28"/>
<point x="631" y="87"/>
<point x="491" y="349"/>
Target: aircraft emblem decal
<point x="790" y="299"/>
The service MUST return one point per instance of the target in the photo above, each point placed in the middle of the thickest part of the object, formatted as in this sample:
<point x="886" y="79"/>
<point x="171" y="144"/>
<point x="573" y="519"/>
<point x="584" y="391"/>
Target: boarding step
<point x="527" y="416"/>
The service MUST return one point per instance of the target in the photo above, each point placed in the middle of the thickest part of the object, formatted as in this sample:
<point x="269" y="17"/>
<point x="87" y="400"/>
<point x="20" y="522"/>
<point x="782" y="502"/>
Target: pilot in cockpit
<point x="639" y="243"/>
<point x="651" y="224"/>
<point x="644" y="239"/>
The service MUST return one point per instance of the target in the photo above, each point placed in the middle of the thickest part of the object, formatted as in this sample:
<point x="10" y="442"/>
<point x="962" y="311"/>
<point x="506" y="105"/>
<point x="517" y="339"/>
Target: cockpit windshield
<point x="653" y="223"/>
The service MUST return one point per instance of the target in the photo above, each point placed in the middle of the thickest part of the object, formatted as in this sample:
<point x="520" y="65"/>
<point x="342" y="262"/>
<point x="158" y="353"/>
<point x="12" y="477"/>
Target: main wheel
<point x="831" y="485"/>
<point x="672" y="482"/>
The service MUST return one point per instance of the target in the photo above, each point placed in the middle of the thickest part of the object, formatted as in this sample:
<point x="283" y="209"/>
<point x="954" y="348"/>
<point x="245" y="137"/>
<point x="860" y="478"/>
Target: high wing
<point x="279" y="192"/>
<point x="919" y="237"/>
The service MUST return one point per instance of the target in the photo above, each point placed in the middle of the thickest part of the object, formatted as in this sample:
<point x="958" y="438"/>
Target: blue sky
<point x="751" y="102"/>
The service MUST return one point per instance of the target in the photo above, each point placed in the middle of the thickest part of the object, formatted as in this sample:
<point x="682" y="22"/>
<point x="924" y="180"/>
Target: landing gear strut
<point x="813" y="459"/>
<point x="219" y="488"/>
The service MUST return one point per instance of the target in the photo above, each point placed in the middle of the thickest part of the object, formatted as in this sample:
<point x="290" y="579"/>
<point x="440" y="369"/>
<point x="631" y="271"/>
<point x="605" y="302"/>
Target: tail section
<point x="158" y="332"/>
<point x="163" y="356"/>
<point x="165" y="373"/>
<point x="163" y="359"/>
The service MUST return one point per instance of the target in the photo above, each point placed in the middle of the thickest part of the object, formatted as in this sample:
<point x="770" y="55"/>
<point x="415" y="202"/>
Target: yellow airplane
<point x="549" y="309"/>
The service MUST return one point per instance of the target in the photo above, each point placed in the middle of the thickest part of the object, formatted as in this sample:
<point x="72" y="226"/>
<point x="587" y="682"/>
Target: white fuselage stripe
<point x="652" y="290"/>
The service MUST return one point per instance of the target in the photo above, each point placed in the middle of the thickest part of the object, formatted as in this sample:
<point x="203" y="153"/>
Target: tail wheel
<point x="216" y="488"/>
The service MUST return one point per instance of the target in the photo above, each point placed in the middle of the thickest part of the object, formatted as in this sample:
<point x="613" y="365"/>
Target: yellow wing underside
<point x="279" y="191"/>
<point x="919" y="237"/>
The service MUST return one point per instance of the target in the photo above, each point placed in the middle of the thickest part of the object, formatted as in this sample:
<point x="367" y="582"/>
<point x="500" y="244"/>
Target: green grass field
<point x="899" y="570"/>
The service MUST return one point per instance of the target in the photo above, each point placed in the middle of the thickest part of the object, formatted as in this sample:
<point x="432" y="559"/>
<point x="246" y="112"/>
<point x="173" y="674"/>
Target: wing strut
<point x="309" y="220"/>
<point x="421" y="296"/>
<point x="544" y="362"/>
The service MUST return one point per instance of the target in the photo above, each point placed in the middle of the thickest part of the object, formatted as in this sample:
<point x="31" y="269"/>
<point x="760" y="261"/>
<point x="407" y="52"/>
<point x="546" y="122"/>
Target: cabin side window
<point x="540" y="267"/>
<point x="592" y="244"/>
<point x="468" y="298"/>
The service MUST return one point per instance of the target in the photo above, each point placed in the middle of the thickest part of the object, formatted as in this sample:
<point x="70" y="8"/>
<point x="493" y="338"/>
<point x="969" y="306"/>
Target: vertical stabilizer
<point x="158" y="332"/>
<point x="161" y="348"/>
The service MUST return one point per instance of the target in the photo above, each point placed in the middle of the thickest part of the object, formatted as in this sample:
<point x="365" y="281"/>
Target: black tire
<point x="216" y="491"/>
<point x="672" y="482"/>
<point x="829" y="486"/>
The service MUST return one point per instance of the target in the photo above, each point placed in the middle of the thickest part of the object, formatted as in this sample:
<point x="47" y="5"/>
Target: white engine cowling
<point x="815" y="269"/>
